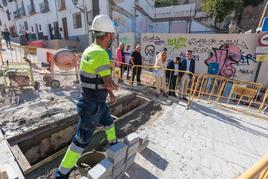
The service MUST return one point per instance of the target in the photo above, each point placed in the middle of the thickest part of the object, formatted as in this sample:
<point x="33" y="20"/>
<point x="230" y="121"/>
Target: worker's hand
<point x="112" y="99"/>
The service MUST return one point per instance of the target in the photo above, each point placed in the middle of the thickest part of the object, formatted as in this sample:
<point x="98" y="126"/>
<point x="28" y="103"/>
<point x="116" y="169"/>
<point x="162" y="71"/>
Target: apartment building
<point x="51" y="19"/>
<point x="71" y="19"/>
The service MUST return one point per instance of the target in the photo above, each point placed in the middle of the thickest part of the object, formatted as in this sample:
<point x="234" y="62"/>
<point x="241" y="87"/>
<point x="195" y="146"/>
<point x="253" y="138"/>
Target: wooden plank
<point x="21" y="159"/>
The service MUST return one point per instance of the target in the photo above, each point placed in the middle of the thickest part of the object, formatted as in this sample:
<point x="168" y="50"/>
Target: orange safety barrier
<point x="258" y="170"/>
<point x="230" y="93"/>
<point x="19" y="54"/>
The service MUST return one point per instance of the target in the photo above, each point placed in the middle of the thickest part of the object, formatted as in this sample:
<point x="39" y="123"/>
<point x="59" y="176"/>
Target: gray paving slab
<point x="203" y="142"/>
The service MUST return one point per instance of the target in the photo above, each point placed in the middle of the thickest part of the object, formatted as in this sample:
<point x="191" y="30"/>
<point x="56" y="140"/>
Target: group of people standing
<point x="168" y="75"/>
<point x="178" y="72"/>
<point x="126" y="59"/>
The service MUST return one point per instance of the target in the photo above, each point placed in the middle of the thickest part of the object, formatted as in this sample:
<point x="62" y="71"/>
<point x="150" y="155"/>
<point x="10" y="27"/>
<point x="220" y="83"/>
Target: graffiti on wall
<point x="203" y="45"/>
<point x="228" y="57"/>
<point x="235" y="54"/>
<point x="154" y="39"/>
<point x="178" y="43"/>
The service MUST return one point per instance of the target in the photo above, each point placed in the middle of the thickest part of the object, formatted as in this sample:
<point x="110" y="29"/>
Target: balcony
<point x="61" y="5"/>
<point x="31" y="10"/>
<point x="19" y="13"/>
<point x="22" y="11"/>
<point x="44" y="7"/>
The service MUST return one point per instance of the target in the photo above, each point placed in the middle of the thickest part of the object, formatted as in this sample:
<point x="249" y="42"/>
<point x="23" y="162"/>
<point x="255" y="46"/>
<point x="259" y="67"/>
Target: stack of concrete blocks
<point x="119" y="157"/>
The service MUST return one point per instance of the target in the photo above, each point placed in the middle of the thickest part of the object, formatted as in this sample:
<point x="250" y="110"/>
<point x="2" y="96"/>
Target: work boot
<point x="113" y="143"/>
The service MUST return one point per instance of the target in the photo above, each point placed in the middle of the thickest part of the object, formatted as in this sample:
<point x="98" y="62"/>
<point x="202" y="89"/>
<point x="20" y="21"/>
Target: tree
<point x="221" y="8"/>
<point x="161" y="3"/>
<point x="252" y="2"/>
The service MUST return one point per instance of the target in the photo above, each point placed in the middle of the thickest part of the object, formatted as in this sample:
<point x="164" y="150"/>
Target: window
<point x="8" y="15"/>
<point x="61" y="5"/>
<point x="32" y="29"/>
<point x="0" y="22"/>
<point x="40" y="27"/>
<point x="25" y="25"/>
<point x="77" y="20"/>
<point x="4" y="2"/>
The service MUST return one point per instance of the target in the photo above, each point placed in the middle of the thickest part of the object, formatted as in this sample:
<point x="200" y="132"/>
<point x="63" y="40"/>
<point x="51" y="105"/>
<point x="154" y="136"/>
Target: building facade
<point x="51" y="19"/>
<point x="62" y="19"/>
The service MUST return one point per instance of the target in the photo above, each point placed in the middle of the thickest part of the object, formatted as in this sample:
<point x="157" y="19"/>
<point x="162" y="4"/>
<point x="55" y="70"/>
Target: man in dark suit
<point x="188" y="65"/>
<point x="173" y="76"/>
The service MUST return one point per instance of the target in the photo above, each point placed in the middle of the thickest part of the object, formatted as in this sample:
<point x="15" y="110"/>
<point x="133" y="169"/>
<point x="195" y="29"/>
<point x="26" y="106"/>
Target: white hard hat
<point x="103" y="23"/>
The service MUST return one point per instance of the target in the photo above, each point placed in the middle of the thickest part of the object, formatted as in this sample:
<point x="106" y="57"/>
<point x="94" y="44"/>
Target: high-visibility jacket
<point x="94" y="65"/>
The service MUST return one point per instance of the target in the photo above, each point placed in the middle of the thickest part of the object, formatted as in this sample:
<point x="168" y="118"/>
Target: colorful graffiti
<point x="227" y="56"/>
<point x="203" y="45"/>
<point x="231" y="56"/>
<point x="178" y="43"/>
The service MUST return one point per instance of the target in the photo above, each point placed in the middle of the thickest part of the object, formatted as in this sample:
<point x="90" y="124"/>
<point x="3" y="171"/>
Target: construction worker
<point x="97" y="83"/>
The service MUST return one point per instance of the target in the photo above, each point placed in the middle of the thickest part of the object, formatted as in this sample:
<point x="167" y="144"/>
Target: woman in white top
<point x="160" y="65"/>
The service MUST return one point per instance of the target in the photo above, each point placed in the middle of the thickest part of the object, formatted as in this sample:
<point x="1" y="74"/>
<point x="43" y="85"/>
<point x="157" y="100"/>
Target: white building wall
<point x="104" y="7"/>
<point x="4" y="20"/>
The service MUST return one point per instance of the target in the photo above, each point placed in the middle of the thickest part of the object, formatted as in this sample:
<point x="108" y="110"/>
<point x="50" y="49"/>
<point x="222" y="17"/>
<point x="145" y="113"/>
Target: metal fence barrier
<point x="231" y="93"/>
<point x="258" y="170"/>
<point x="19" y="54"/>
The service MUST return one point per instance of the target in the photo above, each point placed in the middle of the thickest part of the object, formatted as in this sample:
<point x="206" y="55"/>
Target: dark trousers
<point x="128" y="68"/>
<point x="122" y="67"/>
<point x="8" y="42"/>
<point x="136" y="71"/>
<point x="172" y="84"/>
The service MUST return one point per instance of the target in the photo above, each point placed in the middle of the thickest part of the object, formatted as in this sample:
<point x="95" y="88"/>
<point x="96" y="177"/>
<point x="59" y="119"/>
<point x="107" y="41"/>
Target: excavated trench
<point x="41" y="150"/>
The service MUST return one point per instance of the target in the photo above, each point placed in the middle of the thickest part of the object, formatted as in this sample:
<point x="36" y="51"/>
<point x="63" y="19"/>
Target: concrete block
<point x="131" y="139"/>
<point x="101" y="171"/>
<point x="143" y="146"/>
<point x="132" y="149"/>
<point x="143" y="138"/>
<point x="117" y="152"/>
<point x="130" y="161"/>
<point x="119" y="168"/>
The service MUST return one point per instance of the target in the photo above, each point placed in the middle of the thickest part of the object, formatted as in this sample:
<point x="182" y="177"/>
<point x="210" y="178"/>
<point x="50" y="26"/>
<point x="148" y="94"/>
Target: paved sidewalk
<point x="7" y="161"/>
<point x="203" y="142"/>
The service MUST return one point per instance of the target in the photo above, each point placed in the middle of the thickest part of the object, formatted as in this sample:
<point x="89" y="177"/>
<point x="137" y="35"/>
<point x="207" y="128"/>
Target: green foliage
<point x="221" y="8"/>
<point x="161" y="3"/>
